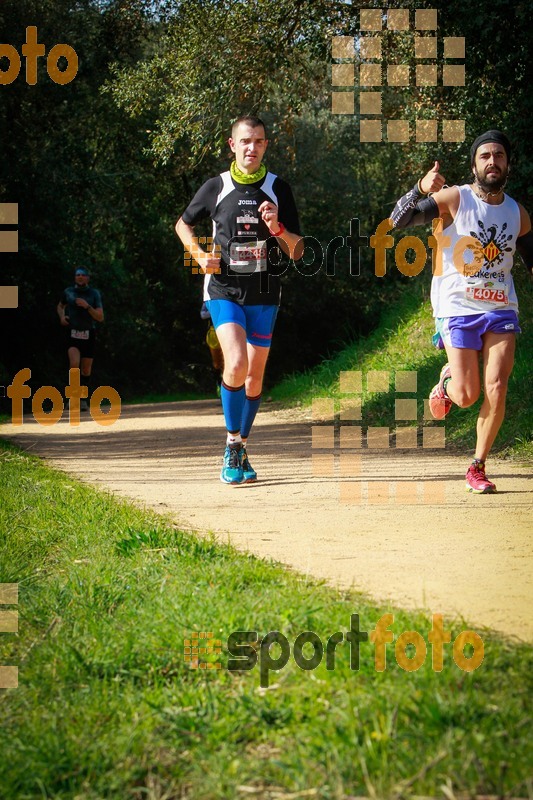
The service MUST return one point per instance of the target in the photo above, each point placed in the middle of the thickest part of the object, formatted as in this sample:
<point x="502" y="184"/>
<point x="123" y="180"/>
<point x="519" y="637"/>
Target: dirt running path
<point x="455" y="553"/>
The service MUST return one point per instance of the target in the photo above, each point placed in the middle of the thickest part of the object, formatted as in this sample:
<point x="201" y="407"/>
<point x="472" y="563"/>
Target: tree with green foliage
<point x="102" y="167"/>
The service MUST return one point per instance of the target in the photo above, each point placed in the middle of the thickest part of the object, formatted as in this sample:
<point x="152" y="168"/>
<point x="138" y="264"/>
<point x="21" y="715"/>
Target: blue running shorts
<point x="257" y="321"/>
<point x="466" y="332"/>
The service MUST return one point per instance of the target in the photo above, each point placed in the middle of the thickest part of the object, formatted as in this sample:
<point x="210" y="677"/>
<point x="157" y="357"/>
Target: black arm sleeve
<point x="412" y="209"/>
<point x="203" y="203"/>
<point x="524" y="245"/>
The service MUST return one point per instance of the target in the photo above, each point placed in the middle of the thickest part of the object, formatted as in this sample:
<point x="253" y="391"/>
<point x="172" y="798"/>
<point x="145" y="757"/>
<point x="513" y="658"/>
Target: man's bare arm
<point x="61" y="313"/>
<point x="96" y="313"/>
<point x="292" y="244"/>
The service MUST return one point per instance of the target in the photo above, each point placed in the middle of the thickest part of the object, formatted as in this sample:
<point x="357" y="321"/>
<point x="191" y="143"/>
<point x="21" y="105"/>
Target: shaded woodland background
<point x="102" y="167"/>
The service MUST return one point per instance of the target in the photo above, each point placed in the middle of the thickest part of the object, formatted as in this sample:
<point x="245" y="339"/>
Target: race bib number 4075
<point x="488" y="293"/>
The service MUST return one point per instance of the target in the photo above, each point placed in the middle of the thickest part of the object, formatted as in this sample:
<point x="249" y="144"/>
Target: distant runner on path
<point x="253" y="212"/>
<point x="474" y="303"/>
<point x="79" y="309"/>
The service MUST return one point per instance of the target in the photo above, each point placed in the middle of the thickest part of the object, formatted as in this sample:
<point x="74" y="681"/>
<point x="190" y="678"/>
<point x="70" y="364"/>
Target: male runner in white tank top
<point x="474" y="300"/>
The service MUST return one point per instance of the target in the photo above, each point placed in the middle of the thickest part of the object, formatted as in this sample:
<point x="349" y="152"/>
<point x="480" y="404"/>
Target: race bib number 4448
<point x="248" y="257"/>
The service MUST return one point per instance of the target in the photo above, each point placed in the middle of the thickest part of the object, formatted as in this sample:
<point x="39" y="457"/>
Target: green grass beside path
<point x="107" y="708"/>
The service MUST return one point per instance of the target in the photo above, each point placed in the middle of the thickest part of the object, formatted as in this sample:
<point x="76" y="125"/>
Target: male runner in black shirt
<point x="253" y="212"/>
<point x="79" y="309"/>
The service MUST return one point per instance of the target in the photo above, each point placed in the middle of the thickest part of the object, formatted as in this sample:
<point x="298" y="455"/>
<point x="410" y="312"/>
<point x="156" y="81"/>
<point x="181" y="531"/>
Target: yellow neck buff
<point x="243" y="177"/>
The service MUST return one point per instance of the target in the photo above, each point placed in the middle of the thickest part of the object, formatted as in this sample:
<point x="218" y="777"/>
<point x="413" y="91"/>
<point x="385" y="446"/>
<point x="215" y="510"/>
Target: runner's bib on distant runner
<point x="248" y="257"/>
<point x="79" y="334"/>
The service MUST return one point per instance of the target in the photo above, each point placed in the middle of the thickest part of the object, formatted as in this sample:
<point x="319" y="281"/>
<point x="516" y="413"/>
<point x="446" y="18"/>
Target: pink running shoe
<point x="439" y="402"/>
<point x="477" y="481"/>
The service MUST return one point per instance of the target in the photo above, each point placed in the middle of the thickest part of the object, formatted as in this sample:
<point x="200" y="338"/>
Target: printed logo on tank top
<point x="488" y="284"/>
<point x="493" y="243"/>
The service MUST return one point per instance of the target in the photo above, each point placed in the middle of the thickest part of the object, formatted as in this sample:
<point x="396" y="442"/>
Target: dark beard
<point x="496" y="183"/>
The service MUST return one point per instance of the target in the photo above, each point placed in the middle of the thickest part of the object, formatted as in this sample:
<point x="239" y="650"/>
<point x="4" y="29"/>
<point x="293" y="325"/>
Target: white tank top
<point x="496" y="228"/>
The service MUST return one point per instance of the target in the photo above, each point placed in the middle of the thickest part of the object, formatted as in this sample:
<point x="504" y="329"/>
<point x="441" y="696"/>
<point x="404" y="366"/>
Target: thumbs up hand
<point x="432" y="180"/>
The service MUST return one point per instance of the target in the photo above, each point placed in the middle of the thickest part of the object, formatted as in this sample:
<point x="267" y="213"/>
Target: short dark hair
<point x="248" y="119"/>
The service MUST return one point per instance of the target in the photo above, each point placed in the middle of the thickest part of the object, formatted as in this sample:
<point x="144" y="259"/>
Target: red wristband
<point x="281" y="229"/>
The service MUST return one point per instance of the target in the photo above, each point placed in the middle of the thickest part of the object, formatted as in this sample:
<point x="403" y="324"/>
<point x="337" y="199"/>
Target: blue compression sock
<point x="233" y="399"/>
<point x="250" y="409"/>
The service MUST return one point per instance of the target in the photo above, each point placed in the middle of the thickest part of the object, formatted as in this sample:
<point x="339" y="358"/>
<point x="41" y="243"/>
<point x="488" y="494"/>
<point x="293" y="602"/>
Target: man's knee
<point x="254" y="378"/>
<point x="235" y="369"/>
<point x="465" y="395"/>
<point x="254" y="385"/>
